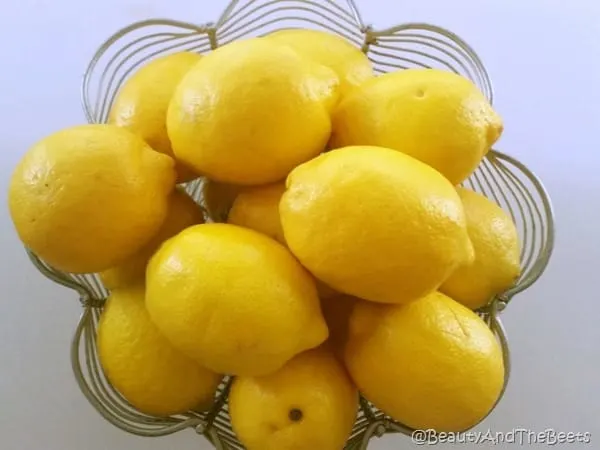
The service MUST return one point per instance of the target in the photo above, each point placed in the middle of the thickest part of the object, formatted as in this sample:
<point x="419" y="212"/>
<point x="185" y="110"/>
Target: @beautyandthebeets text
<point x="517" y="436"/>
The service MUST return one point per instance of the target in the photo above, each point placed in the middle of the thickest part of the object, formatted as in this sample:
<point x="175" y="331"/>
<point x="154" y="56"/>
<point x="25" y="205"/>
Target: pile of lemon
<point x="335" y="254"/>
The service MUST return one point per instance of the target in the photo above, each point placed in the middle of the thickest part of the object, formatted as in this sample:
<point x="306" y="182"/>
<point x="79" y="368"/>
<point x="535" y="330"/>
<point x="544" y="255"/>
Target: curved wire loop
<point x="500" y="177"/>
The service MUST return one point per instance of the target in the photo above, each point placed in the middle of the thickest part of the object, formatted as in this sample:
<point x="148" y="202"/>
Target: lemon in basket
<point x="496" y="266"/>
<point x="308" y="404"/>
<point x="141" y="103"/>
<point x="183" y="212"/>
<point x="374" y="223"/>
<point x="250" y="111"/>
<point x="331" y="50"/>
<point x="429" y="364"/>
<point x="88" y="197"/>
<point x="257" y="207"/>
<point x="233" y="299"/>
<point x="436" y="116"/>
<point x="143" y="366"/>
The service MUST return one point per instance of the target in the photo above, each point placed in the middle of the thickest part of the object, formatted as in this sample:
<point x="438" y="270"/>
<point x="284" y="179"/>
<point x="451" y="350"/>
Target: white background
<point x="543" y="56"/>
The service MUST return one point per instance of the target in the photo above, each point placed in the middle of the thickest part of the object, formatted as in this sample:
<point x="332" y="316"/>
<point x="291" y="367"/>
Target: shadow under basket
<point x="412" y="45"/>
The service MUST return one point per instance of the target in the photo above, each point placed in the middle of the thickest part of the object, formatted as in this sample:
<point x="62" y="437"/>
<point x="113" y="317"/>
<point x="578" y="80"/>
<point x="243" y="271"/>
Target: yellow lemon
<point x="141" y="103"/>
<point x="233" y="299"/>
<point x="183" y="212"/>
<point x="310" y="403"/>
<point x="87" y="197"/>
<point x="249" y="112"/>
<point x="436" y="116"/>
<point x="429" y="364"/>
<point x="374" y="223"/>
<point x="349" y="63"/>
<point x="257" y="207"/>
<point x="496" y="266"/>
<point x="143" y="366"/>
<point x="217" y="198"/>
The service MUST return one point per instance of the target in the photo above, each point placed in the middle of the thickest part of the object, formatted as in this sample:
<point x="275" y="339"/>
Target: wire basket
<point x="499" y="177"/>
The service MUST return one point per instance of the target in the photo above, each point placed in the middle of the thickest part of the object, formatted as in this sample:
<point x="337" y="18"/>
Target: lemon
<point x="143" y="366"/>
<point x="218" y="198"/>
<point x="233" y="299"/>
<point x="374" y="223"/>
<point x="429" y="364"/>
<point x="310" y="403"/>
<point x="496" y="266"/>
<point x="349" y="63"/>
<point x="436" y="116"/>
<point x="86" y="198"/>
<point x="257" y="207"/>
<point x="183" y="212"/>
<point x="249" y="112"/>
<point x="141" y="104"/>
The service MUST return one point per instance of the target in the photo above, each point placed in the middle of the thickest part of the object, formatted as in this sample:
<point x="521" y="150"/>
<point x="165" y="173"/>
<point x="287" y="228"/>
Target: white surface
<point x="543" y="58"/>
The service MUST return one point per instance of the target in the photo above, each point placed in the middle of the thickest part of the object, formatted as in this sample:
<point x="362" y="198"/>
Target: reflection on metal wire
<point x="499" y="177"/>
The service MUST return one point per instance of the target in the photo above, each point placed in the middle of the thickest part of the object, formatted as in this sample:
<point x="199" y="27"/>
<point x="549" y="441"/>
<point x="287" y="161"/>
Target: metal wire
<point x="499" y="177"/>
